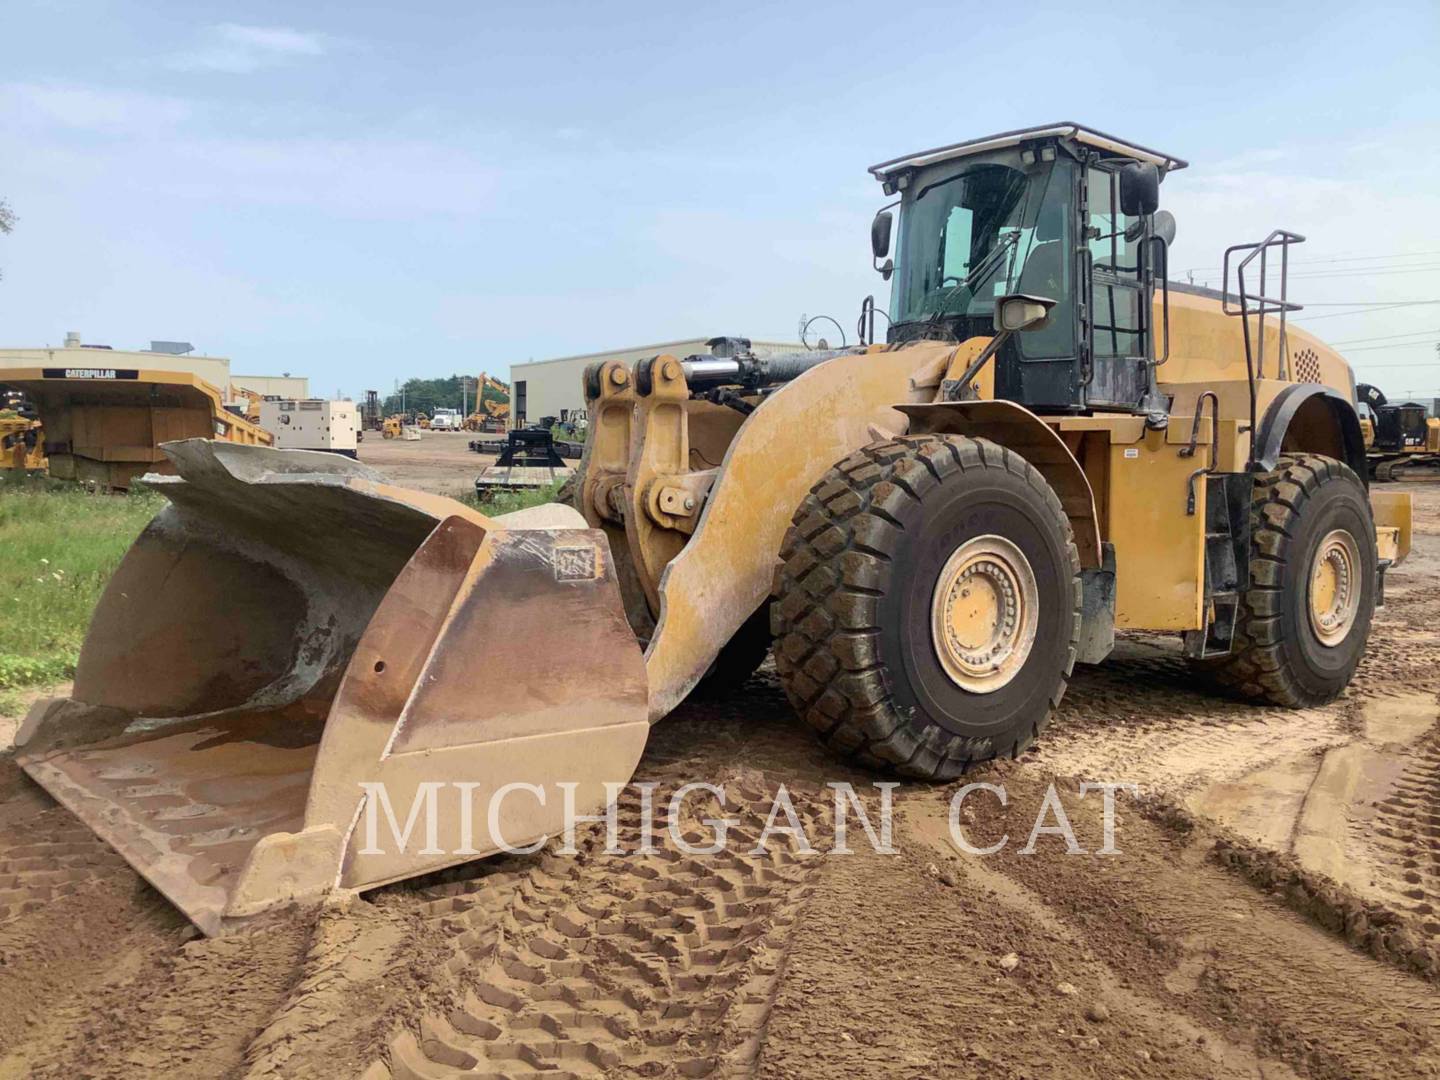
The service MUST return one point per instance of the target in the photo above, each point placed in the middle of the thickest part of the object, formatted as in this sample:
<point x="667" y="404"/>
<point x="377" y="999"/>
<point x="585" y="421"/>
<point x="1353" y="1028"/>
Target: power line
<point x="1373" y="303"/>
<point x="1364" y="309"/>
<point x="1406" y="363"/>
<point x="1392" y="348"/>
<point x="1326" y="262"/>
<point x="1428" y="268"/>
<point x="1367" y="258"/>
<point x="1392" y="337"/>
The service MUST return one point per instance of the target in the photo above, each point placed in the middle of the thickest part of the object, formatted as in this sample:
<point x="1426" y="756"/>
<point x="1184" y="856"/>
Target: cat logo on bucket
<point x="577" y="563"/>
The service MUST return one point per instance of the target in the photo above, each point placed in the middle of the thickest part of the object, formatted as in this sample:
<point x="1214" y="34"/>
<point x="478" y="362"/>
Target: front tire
<point x="928" y="605"/>
<point x="1305" y="618"/>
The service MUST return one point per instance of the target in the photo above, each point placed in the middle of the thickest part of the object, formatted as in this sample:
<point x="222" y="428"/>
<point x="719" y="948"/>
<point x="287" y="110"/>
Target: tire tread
<point x="1256" y="667"/>
<point x="855" y="509"/>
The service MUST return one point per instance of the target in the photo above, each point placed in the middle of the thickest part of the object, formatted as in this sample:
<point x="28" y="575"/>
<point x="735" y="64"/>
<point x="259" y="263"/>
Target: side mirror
<point x="880" y="234"/>
<point x="1020" y="312"/>
<point x="1139" y="189"/>
<point x="1164" y="226"/>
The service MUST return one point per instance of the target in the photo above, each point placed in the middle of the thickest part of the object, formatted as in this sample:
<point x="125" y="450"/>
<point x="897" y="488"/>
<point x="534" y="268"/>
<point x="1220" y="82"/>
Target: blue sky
<point x="364" y="192"/>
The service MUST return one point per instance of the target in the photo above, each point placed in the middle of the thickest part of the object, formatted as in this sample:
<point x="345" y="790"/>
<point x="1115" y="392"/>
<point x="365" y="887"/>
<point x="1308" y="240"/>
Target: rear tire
<point x="928" y="605"/>
<point x="1304" y="620"/>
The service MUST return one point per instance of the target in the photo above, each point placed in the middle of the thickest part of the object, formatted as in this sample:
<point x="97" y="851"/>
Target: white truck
<point x="447" y="420"/>
<point x="312" y="424"/>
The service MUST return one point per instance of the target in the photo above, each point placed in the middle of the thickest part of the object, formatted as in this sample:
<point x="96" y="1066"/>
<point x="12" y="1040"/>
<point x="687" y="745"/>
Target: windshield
<point x="974" y="236"/>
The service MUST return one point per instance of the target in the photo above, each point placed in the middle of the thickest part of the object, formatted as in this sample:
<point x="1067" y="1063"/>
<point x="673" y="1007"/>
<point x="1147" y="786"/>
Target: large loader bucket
<point x="291" y="629"/>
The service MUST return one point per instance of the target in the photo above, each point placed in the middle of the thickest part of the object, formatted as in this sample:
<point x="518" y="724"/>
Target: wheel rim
<point x="1334" y="593"/>
<point x="984" y="613"/>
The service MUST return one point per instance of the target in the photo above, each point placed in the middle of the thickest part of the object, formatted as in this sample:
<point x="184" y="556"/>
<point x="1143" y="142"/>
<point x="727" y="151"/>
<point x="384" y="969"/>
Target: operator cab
<point x="1061" y="213"/>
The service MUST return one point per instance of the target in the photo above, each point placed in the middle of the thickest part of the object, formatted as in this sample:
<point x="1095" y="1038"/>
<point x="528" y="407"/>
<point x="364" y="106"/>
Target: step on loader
<point x="1055" y="442"/>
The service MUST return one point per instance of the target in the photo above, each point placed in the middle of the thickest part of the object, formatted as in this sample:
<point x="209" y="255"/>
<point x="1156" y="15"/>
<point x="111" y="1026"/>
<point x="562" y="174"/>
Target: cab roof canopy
<point x="1065" y="129"/>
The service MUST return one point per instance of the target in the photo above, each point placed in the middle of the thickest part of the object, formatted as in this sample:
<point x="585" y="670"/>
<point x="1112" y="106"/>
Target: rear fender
<point x="1314" y="418"/>
<point x="1020" y="430"/>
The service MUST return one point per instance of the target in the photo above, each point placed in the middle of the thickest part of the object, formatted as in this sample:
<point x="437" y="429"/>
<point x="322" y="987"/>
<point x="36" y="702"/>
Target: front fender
<point x="1020" y="430"/>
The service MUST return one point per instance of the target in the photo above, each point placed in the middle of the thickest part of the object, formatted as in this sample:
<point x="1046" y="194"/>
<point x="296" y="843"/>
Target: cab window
<point x="1117" y="319"/>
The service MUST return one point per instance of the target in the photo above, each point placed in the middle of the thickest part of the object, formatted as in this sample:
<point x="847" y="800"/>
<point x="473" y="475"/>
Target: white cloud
<point x="1368" y="211"/>
<point x="239" y="50"/>
<point x="151" y="149"/>
<point x="45" y="106"/>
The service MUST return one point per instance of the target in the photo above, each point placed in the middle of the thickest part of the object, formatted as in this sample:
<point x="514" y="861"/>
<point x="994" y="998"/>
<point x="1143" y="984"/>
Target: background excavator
<point x="1401" y="440"/>
<point x="1055" y="442"/>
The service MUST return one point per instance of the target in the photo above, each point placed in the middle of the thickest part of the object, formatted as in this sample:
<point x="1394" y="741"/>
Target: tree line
<point x="427" y="395"/>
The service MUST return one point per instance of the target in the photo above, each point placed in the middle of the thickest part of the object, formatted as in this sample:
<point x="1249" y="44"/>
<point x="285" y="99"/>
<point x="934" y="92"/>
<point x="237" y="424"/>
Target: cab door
<point x="1117" y="327"/>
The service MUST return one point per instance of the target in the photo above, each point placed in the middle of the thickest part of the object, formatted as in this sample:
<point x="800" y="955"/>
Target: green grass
<point x="506" y="502"/>
<point x="58" y="547"/>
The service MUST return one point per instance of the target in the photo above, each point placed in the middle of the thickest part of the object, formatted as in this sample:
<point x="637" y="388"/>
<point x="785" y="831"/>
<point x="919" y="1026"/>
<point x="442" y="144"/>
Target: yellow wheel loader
<point x="22" y="443"/>
<point x="1054" y="443"/>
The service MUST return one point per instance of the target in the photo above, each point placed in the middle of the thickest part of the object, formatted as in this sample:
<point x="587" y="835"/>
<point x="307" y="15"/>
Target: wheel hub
<point x="1334" y="593"/>
<point x="984" y="613"/>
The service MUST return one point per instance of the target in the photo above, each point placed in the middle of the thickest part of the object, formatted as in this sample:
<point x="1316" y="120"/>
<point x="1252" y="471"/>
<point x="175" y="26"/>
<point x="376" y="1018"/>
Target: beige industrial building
<point x="553" y="387"/>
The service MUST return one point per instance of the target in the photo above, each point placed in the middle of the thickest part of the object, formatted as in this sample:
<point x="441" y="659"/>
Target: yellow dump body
<point x="104" y="426"/>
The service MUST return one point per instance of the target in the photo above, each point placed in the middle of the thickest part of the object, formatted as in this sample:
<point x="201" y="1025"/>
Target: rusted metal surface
<point x="186" y="803"/>
<point x="291" y="628"/>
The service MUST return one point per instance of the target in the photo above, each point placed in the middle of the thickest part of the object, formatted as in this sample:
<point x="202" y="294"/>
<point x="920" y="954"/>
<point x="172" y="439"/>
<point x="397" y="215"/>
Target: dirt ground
<point x="1271" y="911"/>
<point x="440" y="461"/>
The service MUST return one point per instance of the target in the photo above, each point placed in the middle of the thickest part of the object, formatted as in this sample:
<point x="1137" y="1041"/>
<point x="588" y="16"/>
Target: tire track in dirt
<point x="99" y="975"/>
<point x="73" y="918"/>
<point x="61" y="961"/>
<point x="665" y="962"/>
<point x="667" y="959"/>
<point x="1204" y="942"/>
<point x="49" y="856"/>
<point x="1145" y="715"/>
<point x="904" y="969"/>
<point x="1407" y="833"/>
<point x="1317" y="783"/>
<point x="45" y="852"/>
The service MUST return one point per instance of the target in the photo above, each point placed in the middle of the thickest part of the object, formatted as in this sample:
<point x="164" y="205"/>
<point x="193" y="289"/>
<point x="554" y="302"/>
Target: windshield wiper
<point x="987" y="266"/>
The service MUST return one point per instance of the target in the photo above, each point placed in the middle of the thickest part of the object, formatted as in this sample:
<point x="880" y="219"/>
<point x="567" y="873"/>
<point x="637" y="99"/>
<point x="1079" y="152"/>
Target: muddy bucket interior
<point x="291" y="630"/>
